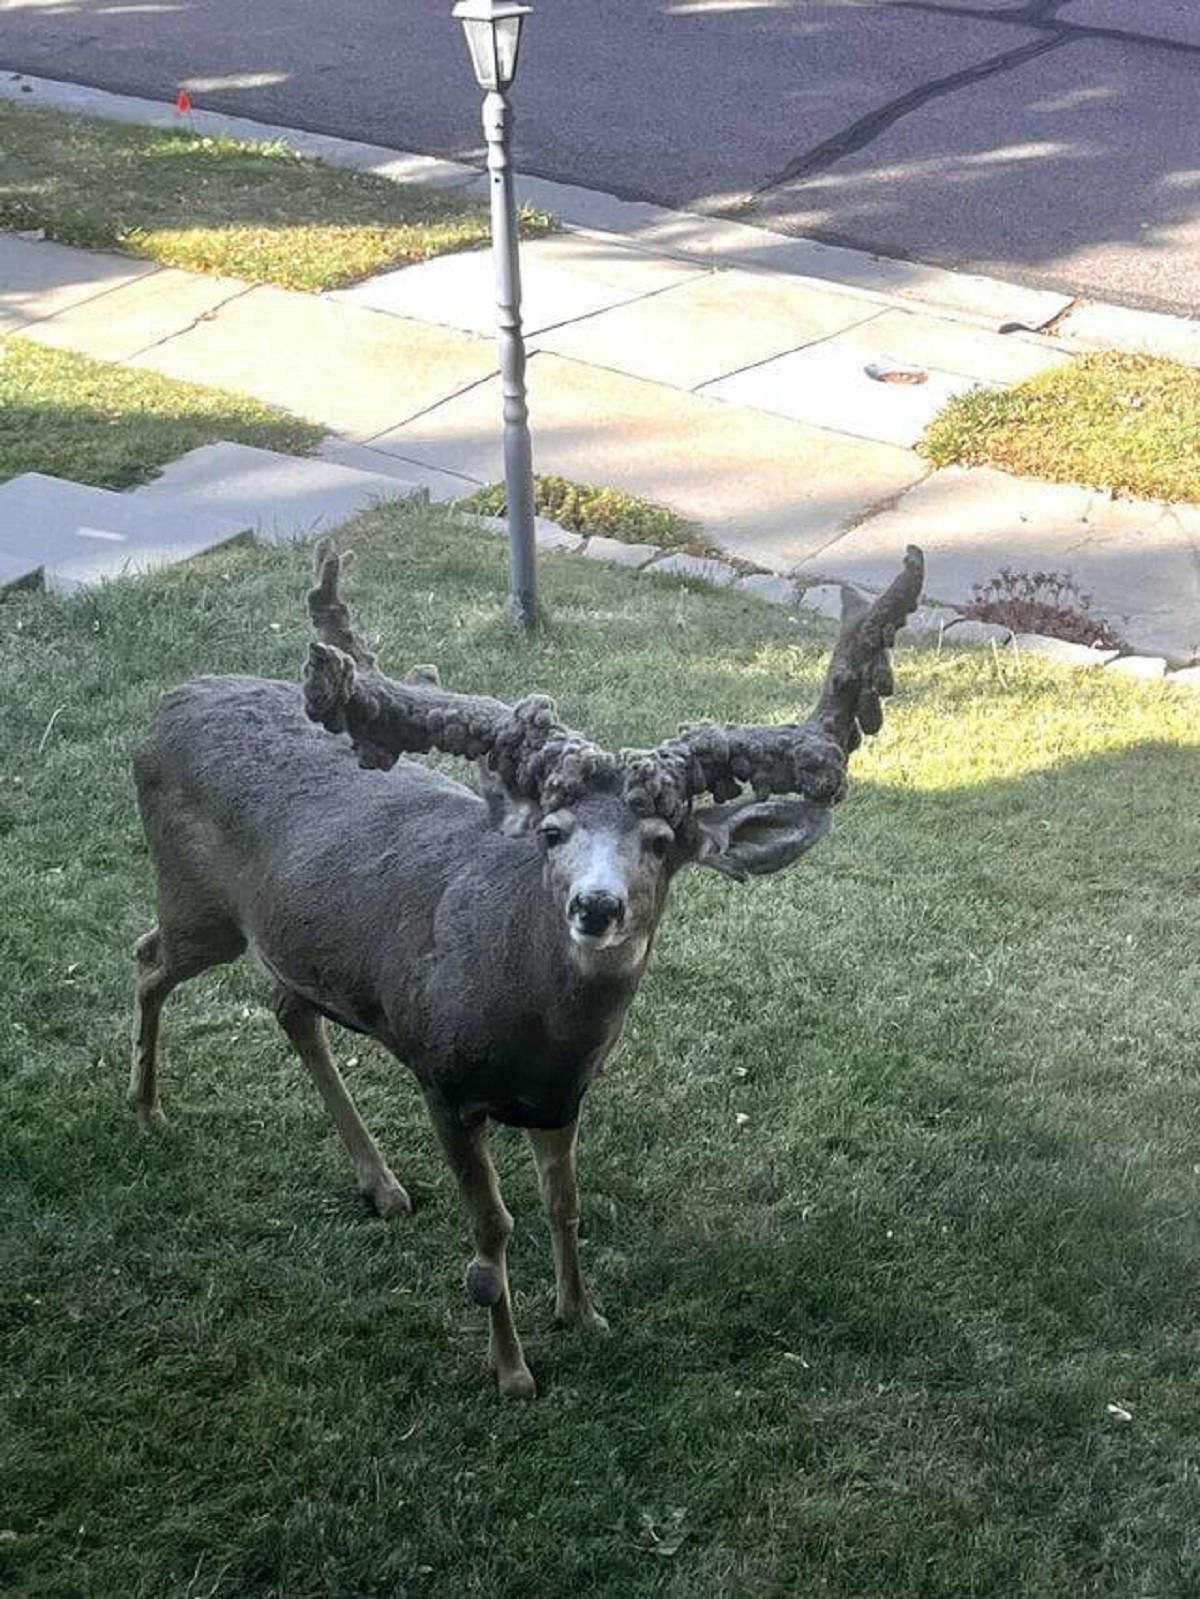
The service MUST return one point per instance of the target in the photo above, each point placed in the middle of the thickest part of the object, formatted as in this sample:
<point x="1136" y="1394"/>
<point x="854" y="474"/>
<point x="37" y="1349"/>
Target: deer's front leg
<point x="491" y="1225"/>
<point x="554" y="1153"/>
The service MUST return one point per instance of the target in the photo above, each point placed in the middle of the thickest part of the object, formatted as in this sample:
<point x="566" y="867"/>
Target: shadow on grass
<point x="112" y="426"/>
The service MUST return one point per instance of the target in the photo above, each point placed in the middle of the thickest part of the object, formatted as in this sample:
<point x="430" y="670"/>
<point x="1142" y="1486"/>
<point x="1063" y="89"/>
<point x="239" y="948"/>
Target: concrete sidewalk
<point x="756" y="403"/>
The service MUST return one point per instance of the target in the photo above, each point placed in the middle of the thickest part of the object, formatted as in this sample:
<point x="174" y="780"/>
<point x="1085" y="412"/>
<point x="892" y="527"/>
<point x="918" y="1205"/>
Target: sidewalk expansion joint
<point x="425" y="410"/>
<point x="621" y="305"/>
<point x="204" y="316"/>
<point x="77" y="305"/>
<point x="807" y="344"/>
<point x="886" y="502"/>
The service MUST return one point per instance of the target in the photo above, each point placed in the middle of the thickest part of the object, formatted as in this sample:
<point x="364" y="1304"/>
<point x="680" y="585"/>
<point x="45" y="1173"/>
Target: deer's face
<point x="608" y="871"/>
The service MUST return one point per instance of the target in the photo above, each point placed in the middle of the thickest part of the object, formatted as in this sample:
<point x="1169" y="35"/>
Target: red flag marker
<point x="183" y="103"/>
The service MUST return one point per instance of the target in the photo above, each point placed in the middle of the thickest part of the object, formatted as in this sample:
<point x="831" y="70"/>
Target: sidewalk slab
<point x="914" y="338"/>
<point x="717" y="240"/>
<point x="279" y="497"/>
<point x="1139" y="561"/>
<point x="767" y="489"/>
<point x="567" y="276"/>
<point x="437" y="485"/>
<point x="355" y="371"/>
<point x="122" y="323"/>
<point x="81" y="535"/>
<point x="38" y="280"/>
<point x="829" y="386"/>
<point x="702" y="330"/>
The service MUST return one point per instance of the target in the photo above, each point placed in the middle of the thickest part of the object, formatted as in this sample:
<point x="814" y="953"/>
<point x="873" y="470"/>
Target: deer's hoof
<point x="517" y="1383"/>
<point x="582" y="1318"/>
<point x="150" y="1118"/>
<point x="389" y="1198"/>
<point x="484" y="1285"/>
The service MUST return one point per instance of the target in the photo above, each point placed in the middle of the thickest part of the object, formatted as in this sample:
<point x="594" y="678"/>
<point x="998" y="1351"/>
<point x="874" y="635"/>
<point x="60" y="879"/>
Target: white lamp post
<point x="493" y="30"/>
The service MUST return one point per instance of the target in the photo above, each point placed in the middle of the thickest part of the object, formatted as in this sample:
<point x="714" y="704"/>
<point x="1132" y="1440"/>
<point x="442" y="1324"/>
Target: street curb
<point x="718" y="241"/>
<point x="941" y="625"/>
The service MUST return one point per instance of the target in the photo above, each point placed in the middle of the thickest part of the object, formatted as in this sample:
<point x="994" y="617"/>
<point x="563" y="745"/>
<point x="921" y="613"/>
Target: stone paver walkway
<point x="753" y="402"/>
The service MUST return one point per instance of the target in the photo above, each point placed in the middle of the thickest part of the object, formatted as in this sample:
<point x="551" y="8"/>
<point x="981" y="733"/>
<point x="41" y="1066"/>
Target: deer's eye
<point x="553" y="834"/>
<point x="659" y="844"/>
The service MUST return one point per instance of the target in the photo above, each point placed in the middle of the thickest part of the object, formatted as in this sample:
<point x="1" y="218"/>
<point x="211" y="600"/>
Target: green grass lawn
<point x="250" y="211"/>
<point x="114" y="426"/>
<point x="867" y="1344"/>
<point x="1125" y="423"/>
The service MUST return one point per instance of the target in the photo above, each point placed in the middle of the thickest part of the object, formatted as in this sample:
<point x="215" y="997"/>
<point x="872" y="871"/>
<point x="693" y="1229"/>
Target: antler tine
<point x="525" y="744"/>
<point x="330" y="617"/>
<point x="806" y="758"/>
<point x="860" y="671"/>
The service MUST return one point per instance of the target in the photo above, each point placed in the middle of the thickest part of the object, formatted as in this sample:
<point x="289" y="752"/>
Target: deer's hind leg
<point x="306" y="1032"/>
<point x="166" y="956"/>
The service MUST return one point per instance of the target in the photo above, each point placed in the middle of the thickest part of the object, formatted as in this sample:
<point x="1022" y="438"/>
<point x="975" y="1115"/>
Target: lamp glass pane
<point x="482" y="45"/>
<point x="508" y="43"/>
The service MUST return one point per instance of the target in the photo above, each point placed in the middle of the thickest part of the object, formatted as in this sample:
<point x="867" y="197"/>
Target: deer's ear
<point x="749" y="840"/>
<point x="509" y="814"/>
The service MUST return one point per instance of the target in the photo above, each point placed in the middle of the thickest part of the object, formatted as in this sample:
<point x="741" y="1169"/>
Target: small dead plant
<point x="1042" y="602"/>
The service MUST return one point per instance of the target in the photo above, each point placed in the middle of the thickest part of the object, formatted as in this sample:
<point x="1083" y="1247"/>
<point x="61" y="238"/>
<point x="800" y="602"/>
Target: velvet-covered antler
<point x="540" y="761"/>
<point x="860" y="673"/>
<point x="533" y="754"/>
<point x="806" y="758"/>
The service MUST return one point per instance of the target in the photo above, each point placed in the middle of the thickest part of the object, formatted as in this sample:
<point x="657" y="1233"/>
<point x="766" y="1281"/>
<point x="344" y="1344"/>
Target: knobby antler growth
<point x="807" y="758"/>
<point x="540" y="760"/>
<point x="533" y="754"/>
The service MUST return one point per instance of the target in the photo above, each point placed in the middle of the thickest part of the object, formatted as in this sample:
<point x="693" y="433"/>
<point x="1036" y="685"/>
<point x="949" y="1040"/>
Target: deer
<point x="492" y="941"/>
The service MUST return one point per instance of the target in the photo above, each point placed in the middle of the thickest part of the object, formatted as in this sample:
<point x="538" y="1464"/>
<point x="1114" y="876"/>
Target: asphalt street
<point x="1054" y="142"/>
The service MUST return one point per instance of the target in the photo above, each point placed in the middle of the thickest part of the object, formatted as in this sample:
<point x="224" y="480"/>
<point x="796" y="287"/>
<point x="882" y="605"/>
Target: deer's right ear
<point x="765" y="836"/>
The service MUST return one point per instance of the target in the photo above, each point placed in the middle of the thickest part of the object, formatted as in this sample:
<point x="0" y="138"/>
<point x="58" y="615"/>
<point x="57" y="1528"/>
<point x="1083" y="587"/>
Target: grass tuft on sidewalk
<point x="1129" y="424"/>
<point x="923" y="1325"/>
<point x="590" y="510"/>
<point x="114" y="426"/>
<point x="251" y="211"/>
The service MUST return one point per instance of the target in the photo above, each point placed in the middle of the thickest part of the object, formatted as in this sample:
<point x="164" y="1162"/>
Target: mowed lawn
<point x="923" y="1324"/>
<point x="252" y="211"/>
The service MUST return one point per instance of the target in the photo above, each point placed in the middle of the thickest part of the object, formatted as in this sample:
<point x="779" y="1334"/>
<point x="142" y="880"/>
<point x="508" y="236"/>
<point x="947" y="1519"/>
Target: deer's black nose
<point x="594" y="913"/>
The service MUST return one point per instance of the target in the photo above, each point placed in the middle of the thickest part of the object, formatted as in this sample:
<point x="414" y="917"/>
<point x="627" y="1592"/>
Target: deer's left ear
<point x="764" y="836"/>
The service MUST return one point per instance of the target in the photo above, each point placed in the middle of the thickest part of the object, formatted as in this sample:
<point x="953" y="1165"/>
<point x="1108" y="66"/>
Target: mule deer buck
<point x="493" y="943"/>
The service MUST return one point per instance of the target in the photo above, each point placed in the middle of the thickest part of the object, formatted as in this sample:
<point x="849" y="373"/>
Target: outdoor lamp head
<point x="493" y="30"/>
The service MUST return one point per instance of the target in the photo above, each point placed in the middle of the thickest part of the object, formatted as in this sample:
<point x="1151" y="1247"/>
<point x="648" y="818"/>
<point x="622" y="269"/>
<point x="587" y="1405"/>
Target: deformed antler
<point x="533" y="754"/>
<point x="806" y="758"/>
<point x="860" y="672"/>
<point x="541" y="761"/>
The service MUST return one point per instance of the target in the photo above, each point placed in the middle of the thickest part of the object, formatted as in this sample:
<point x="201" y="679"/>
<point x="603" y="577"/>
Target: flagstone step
<point x="279" y="497"/>
<point x="78" y="535"/>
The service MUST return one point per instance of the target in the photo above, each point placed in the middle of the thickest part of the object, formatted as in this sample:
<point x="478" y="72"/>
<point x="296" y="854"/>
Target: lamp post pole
<point x="518" y="448"/>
